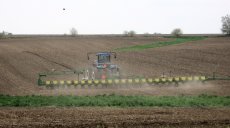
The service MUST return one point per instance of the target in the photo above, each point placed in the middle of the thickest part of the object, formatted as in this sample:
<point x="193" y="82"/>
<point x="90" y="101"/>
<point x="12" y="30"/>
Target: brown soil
<point x="115" y="117"/>
<point x="21" y="59"/>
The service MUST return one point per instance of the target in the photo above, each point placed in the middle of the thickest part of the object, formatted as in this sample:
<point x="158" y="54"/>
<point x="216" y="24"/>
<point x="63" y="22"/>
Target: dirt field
<point x="115" y="117"/>
<point x="21" y="59"/>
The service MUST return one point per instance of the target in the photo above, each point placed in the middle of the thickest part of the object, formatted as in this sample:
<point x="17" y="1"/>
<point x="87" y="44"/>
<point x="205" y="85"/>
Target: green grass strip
<point x="160" y="44"/>
<point x="116" y="101"/>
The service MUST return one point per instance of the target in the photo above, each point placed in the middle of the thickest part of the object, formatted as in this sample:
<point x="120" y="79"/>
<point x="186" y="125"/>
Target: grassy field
<point x="160" y="44"/>
<point x="116" y="101"/>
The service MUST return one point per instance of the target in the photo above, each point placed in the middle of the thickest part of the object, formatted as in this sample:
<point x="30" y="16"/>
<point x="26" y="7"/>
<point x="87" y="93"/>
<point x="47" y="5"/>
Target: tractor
<point x="103" y="71"/>
<point x="102" y="67"/>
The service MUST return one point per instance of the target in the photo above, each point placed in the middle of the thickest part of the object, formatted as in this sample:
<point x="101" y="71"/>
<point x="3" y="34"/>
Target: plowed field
<point x="21" y="59"/>
<point x="114" y="117"/>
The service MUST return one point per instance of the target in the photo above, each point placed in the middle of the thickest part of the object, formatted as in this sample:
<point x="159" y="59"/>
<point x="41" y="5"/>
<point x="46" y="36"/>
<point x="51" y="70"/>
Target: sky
<point x="112" y="16"/>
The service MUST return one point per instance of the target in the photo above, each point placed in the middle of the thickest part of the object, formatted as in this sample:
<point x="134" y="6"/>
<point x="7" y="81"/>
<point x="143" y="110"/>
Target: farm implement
<point x="104" y="73"/>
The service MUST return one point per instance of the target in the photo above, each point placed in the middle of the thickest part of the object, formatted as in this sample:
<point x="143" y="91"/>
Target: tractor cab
<point x="103" y="60"/>
<point x="103" y="57"/>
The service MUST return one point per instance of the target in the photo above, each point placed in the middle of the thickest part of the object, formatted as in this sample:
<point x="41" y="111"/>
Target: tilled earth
<point x="21" y="59"/>
<point x="115" y="117"/>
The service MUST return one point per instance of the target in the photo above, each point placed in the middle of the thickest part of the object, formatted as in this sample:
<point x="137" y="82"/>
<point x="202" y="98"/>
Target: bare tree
<point x="73" y="31"/>
<point x="1" y="34"/>
<point x="177" y="32"/>
<point x="226" y="24"/>
<point x="126" y="33"/>
<point x="129" y="33"/>
<point x="132" y="33"/>
<point x="5" y="34"/>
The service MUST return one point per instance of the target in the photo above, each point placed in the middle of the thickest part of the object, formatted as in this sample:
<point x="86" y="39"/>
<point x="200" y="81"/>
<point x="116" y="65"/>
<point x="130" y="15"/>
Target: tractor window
<point x="103" y="58"/>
